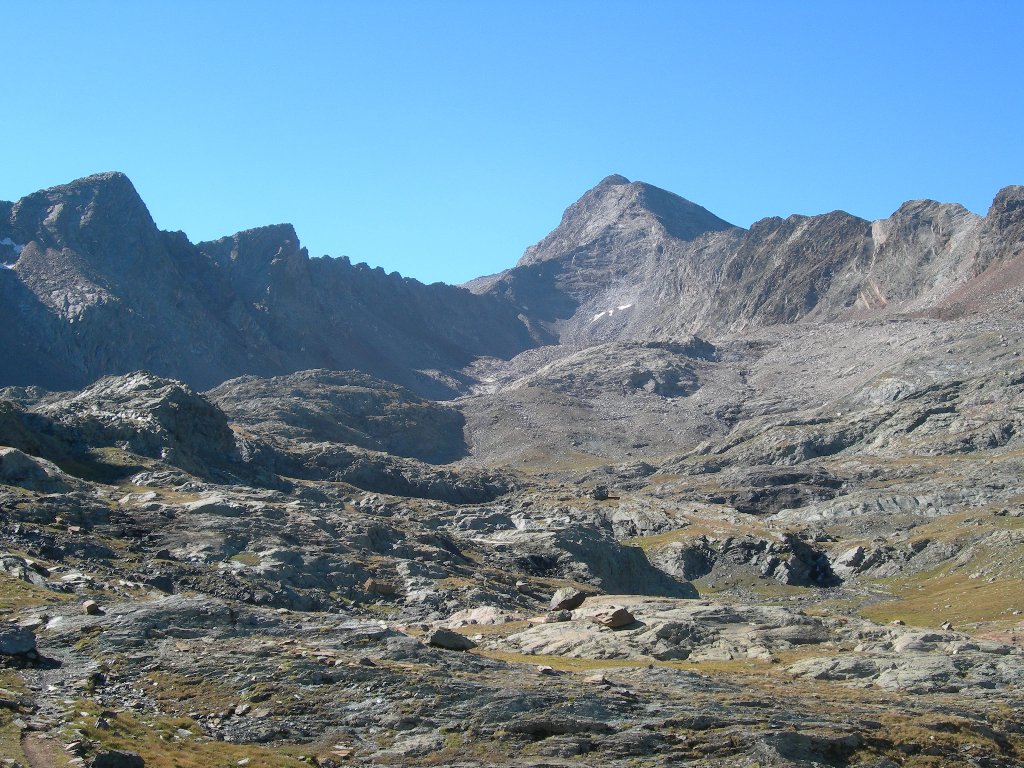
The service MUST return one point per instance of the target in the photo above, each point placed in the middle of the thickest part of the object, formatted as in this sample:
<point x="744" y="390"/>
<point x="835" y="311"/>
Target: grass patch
<point x="161" y="743"/>
<point x="907" y="738"/>
<point x="250" y="559"/>
<point x="177" y="692"/>
<point x="456" y="582"/>
<point x="570" y="664"/>
<point x="971" y="602"/>
<point x="163" y="494"/>
<point x="493" y="630"/>
<point x="17" y="595"/>
<point x="108" y="466"/>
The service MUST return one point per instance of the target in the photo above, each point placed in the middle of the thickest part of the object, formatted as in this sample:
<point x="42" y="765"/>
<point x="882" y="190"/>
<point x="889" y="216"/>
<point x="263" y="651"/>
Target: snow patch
<point x="610" y="312"/>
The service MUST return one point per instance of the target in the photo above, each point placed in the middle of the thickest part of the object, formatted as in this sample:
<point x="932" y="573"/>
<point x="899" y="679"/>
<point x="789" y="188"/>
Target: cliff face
<point x="92" y="287"/>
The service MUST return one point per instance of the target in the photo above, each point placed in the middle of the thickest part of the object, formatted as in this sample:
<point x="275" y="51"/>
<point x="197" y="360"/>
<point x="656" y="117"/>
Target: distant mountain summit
<point x="614" y="213"/>
<point x="89" y="286"/>
<point x="631" y="261"/>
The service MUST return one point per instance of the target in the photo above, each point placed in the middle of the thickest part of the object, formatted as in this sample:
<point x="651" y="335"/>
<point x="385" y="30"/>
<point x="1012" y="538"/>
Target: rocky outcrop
<point x="16" y="468"/>
<point x="344" y="407"/>
<point x="789" y="560"/>
<point x="145" y="415"/>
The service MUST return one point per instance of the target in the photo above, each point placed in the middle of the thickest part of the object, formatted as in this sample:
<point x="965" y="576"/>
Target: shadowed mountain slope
<point x="91" y="286"/>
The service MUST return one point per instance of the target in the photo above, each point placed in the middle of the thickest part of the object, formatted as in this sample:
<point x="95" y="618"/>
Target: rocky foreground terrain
<point x="666" y="492"/>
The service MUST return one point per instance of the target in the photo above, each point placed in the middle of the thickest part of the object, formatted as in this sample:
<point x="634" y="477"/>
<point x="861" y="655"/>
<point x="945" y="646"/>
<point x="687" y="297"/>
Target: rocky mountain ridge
<point x="612" y="270"/>
<point x="91" y="286"/>
<point x="97" y="289"/>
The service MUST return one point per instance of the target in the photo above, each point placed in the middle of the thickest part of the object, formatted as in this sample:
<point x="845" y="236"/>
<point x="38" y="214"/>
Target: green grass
<point x="17" y="595"/>
<point x="250" y="559"/>
<point x="158" y="741"/>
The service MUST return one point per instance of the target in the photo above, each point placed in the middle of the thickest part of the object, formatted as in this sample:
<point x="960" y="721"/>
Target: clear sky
<point x="440" y="138"/>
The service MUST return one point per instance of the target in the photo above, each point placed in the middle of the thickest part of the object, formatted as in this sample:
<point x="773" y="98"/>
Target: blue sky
<point x="440" y="139"/>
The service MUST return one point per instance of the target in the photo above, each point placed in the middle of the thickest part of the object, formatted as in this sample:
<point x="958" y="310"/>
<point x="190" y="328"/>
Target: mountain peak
<point x="616" y="205"/>
<point x="85" y="211"/>
<point x="615" y="180"/>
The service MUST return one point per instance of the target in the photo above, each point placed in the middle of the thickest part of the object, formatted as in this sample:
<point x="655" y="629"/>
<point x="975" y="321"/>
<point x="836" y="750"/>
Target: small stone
<point x="92" y="608"/>
<point x="613" y="617"/>
<point x="946" y="625"/>
<point x="544" y="669"/>
<point x="378" y="587"/>
<point x="897" y="622"/>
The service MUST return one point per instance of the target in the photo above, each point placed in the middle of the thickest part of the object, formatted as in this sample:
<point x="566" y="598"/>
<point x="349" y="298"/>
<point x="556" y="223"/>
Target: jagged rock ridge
<point x="97" y="289"/>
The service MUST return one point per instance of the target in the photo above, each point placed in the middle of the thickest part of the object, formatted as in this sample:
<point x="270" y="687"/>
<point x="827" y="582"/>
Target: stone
<point x="18" y="468"/>
<point x="452" y="641"/>
<point x="484" y="614"/>
<point x="16" y="640"/>
<point x="567" y="599"/>
<point x="117" y="758"/>
<point x="613" y="617"/>
<point x="92" y="608"/>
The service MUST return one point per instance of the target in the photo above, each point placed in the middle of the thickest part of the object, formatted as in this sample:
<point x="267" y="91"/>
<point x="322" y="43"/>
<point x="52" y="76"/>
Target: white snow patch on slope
<point x="610" y="312"/>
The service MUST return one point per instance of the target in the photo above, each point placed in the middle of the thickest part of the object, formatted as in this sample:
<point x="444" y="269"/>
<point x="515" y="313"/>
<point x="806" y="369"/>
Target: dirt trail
<point x="39" y="750"/>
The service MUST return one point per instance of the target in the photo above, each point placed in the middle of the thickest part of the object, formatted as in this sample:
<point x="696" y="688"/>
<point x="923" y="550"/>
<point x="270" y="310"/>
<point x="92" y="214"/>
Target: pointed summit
<point x="85" y="212"/>
<point x="617" y="208"/>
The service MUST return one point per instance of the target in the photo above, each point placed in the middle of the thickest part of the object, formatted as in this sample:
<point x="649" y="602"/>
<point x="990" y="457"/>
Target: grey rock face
<point x="16" y="640"/>
<point x="97" y="289"/>
<point x="566" y="599"/>
<point x="30" y="472"/>
<point x="344" y="407"/>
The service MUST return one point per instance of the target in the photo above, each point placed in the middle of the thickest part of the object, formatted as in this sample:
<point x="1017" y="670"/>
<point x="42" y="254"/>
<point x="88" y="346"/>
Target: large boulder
<point x="117" y="758"/>
<point x="24" y="471"/>
<point x="452" y="641"/>
<point x="146" y="415"/>
<point x="16" y="640"/>
<point x="567" y="599"/>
